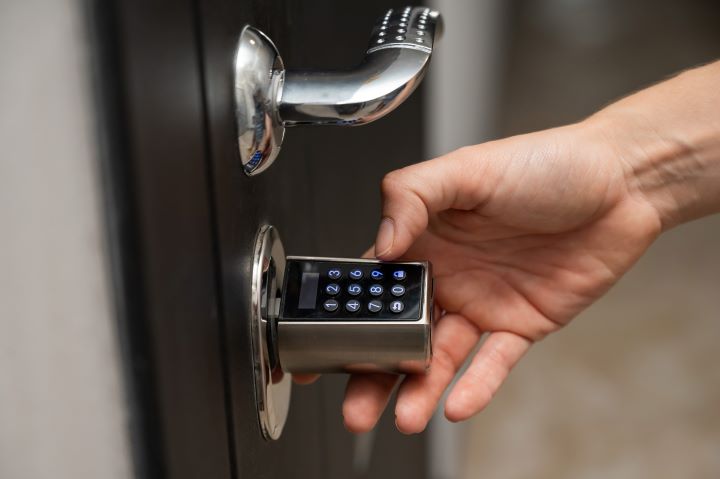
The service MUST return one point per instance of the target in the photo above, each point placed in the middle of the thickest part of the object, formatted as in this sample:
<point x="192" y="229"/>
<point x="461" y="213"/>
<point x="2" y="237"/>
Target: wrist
<point x="669" y="147"/>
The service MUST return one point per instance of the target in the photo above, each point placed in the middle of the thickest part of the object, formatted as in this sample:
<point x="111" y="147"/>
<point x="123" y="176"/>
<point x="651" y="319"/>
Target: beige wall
<point x="62" y="405"/>
<point x="631" y="388"/>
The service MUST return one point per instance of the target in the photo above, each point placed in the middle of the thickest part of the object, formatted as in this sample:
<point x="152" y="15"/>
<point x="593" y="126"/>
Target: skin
<point x="526" y="232"/>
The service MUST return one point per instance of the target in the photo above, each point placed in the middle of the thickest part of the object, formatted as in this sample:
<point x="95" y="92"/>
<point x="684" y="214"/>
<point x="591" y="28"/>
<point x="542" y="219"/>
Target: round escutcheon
<point x="272" y="385"/>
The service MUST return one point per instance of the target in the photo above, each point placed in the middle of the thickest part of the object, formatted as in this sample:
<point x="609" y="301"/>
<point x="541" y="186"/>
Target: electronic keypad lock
<point x="355" y="315"/>
<point x="328" y="315"/>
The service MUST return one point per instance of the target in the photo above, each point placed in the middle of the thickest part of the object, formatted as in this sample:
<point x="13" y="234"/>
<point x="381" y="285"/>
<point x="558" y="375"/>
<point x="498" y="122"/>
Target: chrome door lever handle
<point x="268" y="98"/>
<point x="394" y="64"/>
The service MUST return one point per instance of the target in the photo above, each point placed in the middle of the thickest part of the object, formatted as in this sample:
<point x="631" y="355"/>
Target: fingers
<point x="411" y="194"/>
<point x="305" y="378"/>
<point x="489" y="368"/>
<point x="418" y="396"/>
<point x="365" y="398"/>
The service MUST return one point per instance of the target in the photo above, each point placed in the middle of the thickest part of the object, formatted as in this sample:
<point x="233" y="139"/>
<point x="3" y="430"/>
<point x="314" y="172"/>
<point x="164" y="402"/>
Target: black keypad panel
<point x="350" y="291"/>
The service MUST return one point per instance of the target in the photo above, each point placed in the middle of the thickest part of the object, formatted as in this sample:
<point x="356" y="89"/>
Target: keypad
<point x="347" y="291"/>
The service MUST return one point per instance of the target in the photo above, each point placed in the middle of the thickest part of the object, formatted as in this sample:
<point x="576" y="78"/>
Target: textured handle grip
<point x="410" y="27"/>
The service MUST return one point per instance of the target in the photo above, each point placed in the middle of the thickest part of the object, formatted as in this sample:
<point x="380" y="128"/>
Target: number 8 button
<point x="376" y="290"/>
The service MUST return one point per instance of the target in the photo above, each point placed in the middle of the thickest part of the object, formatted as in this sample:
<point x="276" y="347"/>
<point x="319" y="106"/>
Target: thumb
<point x="411" y="194"/>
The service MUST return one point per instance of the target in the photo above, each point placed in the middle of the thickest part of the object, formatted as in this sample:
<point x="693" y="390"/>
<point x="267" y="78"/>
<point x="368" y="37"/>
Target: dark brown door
<point x="186" y="217"/>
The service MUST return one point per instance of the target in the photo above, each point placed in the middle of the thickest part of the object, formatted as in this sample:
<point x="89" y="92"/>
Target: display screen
<point x="308" y="290"/>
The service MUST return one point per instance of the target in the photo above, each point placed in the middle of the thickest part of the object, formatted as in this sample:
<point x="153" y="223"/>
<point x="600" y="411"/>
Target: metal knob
<point x="268" y="98"/>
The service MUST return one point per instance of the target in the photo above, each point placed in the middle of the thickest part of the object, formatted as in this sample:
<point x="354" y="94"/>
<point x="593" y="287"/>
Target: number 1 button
<point x="330" y="305"/>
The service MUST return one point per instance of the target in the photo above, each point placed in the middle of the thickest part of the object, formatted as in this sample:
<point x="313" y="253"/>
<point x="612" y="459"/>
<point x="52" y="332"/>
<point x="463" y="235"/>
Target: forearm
<point x="668" y="137"/>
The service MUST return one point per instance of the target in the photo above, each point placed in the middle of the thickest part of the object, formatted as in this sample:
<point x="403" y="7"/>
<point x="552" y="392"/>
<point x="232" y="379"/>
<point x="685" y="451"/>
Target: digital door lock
<point x="354" y="315"/>
<point x="325" y="315"/>
<point x="269" y="98"/>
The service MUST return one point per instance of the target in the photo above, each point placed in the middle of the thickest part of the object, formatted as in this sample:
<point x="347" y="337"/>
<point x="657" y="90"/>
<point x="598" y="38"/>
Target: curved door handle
<point x="268" y="98"/>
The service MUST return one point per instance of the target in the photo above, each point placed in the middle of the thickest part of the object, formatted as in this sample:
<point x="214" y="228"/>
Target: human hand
<point x="523" y="234"/>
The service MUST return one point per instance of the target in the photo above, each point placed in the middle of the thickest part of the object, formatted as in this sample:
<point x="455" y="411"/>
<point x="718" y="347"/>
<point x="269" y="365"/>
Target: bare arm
<point x="526" y="232"/>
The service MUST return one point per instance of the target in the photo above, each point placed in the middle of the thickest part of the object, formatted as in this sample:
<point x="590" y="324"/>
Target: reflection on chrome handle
<point x="268" y="98"/>
<point x="394" y="64"/>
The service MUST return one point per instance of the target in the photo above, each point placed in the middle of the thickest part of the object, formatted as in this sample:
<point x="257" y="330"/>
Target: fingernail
<point x="385" y="237"/>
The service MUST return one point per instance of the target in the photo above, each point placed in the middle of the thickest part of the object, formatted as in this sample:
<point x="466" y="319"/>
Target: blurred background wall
<point x="62" y="407"/>
<point x="631" y="388"/>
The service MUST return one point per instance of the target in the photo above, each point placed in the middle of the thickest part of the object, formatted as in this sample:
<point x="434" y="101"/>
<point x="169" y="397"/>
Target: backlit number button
<point x="356" y="274"/>
<point x="397" y="290"/>
<point x="374" y="306"/>
<point x="334" y="273"/>
<point x="397" y="307"/>
<point x="354" y="289"/>
<point x="330" y="305"/>
<point x="332" y="289"/>
<point x="376" y="290"/>
<point x="399" y="275"/>
<point x="353" y="306"/>
<point x="376" y="274"/>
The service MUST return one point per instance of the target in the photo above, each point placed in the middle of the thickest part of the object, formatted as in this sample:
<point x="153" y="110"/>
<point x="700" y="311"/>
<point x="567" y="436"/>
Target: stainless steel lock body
<point x="328" y="315"/>
<point x="355" y="315"/>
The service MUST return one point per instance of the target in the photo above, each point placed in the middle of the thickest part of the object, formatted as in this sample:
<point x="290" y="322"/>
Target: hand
<point x="523" y="234"/>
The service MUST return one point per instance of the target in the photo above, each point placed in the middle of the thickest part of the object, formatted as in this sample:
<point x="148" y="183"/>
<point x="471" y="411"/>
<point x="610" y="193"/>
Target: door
<point x="186" y="218"/>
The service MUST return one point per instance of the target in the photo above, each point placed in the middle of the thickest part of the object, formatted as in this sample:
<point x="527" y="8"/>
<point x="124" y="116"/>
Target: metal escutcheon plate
<point x="272" y="385"/>
<point x="259" y="74"/>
